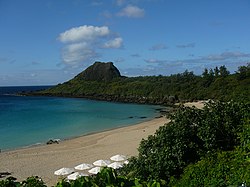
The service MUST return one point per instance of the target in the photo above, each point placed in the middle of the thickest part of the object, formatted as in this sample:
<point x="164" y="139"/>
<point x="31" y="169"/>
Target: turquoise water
<point x="26" y="121"/>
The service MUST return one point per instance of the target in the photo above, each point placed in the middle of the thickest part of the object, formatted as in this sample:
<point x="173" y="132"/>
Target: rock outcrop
<point x="100" y="71"/>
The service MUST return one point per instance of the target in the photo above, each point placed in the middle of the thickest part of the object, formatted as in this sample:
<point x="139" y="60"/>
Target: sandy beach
<point x="197" y="104"/>
<point x="43" y="160"/>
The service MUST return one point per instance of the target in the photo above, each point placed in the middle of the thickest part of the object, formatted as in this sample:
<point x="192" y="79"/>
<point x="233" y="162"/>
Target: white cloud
<point x="74" y="54"/>
<point x="83" y="33"/>
<point x="115" y="43"/>
<point x="77" y="46"/>
<point x="231" y="59"/>
<point x="226" y="56"/>
<point x="83" y="43"/>
<point x="132" y="12"/>
<point x="156" y="61"/>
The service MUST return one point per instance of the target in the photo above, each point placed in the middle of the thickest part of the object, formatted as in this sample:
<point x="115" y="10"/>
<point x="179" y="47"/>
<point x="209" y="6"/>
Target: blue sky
<point x="50" y="41"/>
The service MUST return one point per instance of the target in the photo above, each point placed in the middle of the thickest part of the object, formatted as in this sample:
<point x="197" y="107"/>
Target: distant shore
<point x="43" y="160"/>
<point x="198" y="104"/>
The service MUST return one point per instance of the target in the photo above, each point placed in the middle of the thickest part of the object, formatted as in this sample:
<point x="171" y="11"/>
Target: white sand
<point x="198" y="104"/>
<point x="44" y="160"/>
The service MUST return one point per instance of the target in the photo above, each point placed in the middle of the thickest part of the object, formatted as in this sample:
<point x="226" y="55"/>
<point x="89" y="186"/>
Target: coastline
<point x="79" y="136"/>
<point x="42" y="160"/>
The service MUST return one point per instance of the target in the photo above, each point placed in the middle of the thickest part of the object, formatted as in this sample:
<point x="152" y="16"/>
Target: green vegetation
<point x="213" y="84"/>
<point x="192" y="135"/>
<point x="29" y="182"/>
<point x="228" y="168"/>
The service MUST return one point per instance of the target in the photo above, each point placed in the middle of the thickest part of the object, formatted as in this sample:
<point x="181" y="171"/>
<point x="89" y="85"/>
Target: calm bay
<point x="27" y="121"/>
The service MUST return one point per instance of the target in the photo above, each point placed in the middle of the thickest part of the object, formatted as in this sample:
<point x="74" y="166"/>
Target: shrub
<point x="228" y="168"/>
<point x="191" y="135"/>
<point x="29" y="182"/>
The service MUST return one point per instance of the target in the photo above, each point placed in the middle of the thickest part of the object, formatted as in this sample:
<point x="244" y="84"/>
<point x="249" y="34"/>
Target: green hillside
<point x="217" y="83"/>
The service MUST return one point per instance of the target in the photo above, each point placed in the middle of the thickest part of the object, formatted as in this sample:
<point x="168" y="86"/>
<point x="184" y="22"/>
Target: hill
<point x="102" y="81"/>
<point x="99" y="71"/>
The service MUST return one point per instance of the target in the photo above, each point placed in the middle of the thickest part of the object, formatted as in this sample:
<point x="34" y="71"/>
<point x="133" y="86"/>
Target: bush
<point x="29" y="182"/>
<point x="228" y="168"/>
<point x="191" y="135"/>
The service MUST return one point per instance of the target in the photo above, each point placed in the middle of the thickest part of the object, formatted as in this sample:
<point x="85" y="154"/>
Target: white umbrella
<point x="64" y="171"/>
<point x="83" y="166"/>
<point x="118" y="158"/>
<point x="115" y="165"/>
<point x="76" y="175"/>
<point x="101" y="163"/>
<point x="95" y="170"/>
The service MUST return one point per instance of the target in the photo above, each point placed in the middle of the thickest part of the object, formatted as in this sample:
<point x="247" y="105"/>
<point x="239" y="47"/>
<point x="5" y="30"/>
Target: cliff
<point x="100" y="71"/>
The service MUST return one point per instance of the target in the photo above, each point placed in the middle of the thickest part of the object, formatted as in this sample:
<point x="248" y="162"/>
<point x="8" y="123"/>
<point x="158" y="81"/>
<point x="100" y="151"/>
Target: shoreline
<point x="42" y="160"/>
<point x="38" y="144"/>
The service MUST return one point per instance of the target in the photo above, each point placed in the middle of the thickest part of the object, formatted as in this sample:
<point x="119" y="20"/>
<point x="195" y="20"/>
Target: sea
<point x="33" y="120"/>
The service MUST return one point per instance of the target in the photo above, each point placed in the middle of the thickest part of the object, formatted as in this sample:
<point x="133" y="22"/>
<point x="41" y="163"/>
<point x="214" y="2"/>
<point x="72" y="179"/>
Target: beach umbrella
<point x="64" y="171"/>
<point x="118" y="158"/>
<point x="83" y="166"/>
<point x="95" y="170"/>
<point x="115" y="165"/>
<point x="76" y="175"/>
<point x="101" y="163"/>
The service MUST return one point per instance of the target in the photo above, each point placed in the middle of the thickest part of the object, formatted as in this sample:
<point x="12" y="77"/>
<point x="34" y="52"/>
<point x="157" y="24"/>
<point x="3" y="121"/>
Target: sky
<point x="46" y="42"/>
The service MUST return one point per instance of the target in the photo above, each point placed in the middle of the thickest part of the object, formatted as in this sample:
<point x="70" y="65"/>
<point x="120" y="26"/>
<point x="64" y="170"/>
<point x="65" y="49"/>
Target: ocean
<point x="27" y="120"/>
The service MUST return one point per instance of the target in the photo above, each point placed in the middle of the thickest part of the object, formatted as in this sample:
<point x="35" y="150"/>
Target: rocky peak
<point x="100" y="71"/>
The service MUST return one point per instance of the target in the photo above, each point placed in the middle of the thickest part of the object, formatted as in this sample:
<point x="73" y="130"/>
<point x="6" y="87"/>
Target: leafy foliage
<point x="29" y="182"/>
<point x="191" y="135"/>
<point x="213" y="84"/>
<point x="228" y="168"/>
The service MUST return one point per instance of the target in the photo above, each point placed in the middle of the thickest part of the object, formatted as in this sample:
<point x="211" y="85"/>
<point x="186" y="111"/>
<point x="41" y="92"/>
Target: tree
<point x="208" y="77"/>
<point x="205" y="73"/>
<point x="216" y="71"/>
<point x="243" y="72"/>
<point x="211" y="73"/>
<point x="223" y="71"/>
